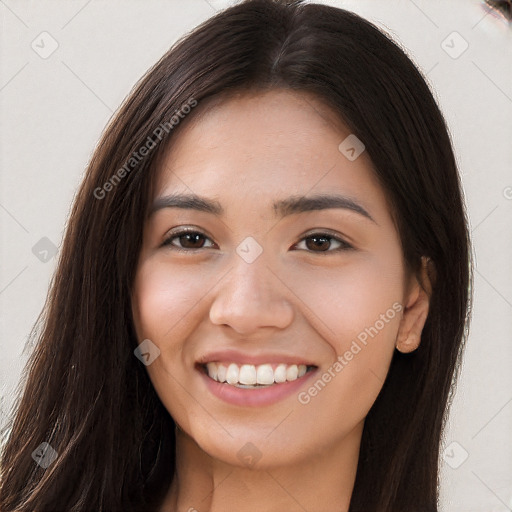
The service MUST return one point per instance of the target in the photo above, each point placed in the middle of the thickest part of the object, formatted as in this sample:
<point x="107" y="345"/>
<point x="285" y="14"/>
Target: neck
<point x="323" y="481"/>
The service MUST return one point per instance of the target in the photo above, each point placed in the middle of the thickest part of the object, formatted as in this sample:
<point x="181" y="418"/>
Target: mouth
<point x="250" y="376"/>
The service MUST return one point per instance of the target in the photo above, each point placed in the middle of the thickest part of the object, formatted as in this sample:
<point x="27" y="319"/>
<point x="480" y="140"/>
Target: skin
<point x="295" y="299"/>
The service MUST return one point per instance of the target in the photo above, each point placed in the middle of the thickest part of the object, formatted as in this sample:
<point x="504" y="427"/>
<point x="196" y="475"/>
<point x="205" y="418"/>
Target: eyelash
<point x="318" y="234"/>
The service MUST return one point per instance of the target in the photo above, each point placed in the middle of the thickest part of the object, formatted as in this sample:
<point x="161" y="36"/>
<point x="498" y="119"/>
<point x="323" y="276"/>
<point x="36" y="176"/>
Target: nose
<point x="251" y="297"/>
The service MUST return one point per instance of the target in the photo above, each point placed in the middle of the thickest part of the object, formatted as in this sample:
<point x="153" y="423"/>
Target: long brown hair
<point x="85" y="393"/>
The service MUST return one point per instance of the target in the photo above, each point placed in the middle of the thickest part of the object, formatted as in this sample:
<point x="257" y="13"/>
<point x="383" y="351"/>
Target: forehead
<point x="255" y="145"/>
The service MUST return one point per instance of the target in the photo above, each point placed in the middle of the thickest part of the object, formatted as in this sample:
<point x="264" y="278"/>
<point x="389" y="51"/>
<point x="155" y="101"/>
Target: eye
<point x="190" y="239"/>
<point x="323" y="242"/>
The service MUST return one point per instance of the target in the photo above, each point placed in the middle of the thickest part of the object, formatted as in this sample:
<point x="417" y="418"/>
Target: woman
<point x="263" y="292"/>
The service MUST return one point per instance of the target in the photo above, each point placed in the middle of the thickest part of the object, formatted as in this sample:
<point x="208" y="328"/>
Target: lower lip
<point x="255" y="397"/>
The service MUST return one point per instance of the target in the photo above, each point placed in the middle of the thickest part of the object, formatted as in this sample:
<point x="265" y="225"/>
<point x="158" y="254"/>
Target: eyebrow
<point x="282" y="208"/>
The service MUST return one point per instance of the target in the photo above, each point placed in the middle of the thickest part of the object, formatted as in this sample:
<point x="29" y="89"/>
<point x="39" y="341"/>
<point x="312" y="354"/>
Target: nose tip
<point x="251" y="298"/>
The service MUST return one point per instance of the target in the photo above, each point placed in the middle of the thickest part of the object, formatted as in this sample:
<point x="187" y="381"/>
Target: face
<point x="263" y="288"/>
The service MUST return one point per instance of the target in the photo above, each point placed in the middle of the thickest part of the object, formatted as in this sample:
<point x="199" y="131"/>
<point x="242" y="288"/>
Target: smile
<point x="249" y="376"/>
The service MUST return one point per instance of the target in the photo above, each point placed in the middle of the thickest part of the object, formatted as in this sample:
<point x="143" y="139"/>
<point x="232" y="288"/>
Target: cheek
<point x="164" y="302"/>
<point x="357" y="310"/>
<point x="162" y="299"/>
<point x="347" y="302"/>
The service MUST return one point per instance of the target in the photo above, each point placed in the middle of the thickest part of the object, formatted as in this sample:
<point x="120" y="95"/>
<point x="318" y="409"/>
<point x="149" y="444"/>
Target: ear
<point x="416" y="310"/>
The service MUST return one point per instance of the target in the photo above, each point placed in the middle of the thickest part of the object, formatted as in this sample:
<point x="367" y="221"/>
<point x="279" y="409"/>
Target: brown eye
<point x="318" y="242"/>
<point x="186" y="239"/>
<point x="322" y="242"/>
<point x="191" y="240"/>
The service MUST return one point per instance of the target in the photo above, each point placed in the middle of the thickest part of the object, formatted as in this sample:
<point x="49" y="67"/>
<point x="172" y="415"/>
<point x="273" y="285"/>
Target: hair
<point x="84" y="391"/>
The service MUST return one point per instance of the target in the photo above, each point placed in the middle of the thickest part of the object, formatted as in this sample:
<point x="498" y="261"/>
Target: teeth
<point x="280" y="373"/>
<point x="248" y="375"/>
<point x="221" y="372"/>
<point x="213" y="370"/>
<point x="292" y="372"/>
<point x="232" y="374"/>
<point x="265" y="374"/>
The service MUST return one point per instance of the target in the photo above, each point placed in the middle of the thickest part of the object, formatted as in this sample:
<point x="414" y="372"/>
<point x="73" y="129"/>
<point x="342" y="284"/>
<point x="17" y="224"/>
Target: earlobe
<point x="416" y="311"/>
<point x="409" y="336"/>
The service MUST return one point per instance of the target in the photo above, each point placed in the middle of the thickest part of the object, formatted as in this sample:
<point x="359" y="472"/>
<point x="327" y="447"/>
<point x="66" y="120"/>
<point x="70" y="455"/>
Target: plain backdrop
<point x="67" y="65"/>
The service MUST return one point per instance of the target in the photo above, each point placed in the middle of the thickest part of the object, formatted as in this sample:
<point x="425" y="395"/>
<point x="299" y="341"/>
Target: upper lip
<point x="234" y="356"/>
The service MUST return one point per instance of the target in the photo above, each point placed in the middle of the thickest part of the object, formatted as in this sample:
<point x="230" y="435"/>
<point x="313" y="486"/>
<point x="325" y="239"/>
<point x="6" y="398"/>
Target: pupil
<point x="189" y="237"/>
<point x="318" y="244"/>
